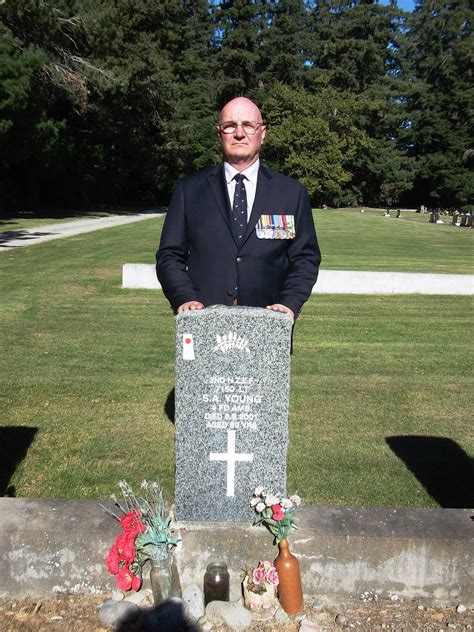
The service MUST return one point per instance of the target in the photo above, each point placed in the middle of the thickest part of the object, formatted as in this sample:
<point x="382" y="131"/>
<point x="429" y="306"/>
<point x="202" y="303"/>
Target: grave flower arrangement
<point x="275" y="512"/>
<point x="146" y="533"/>
<point x="259" y="587"/>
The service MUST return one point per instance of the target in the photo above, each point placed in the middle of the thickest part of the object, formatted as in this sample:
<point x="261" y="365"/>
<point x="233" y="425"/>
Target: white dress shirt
<point x="251" y="175"/>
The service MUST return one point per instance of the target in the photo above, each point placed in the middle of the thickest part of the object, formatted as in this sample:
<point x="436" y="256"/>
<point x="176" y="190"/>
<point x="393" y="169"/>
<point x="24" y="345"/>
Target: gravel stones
<point x="308" y="626"/>
<point x="232" y="613"/>
<point x="140" y="596"/>
<point x="194" y="599"/>
<point x="117" y="613"/>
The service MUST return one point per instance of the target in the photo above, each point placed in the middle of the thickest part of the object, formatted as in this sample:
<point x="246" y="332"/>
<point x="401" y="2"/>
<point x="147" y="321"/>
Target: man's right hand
<point x="190" y="306"/>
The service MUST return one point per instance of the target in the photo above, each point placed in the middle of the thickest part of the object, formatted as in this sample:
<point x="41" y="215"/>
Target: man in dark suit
<point x="238" y="233"/>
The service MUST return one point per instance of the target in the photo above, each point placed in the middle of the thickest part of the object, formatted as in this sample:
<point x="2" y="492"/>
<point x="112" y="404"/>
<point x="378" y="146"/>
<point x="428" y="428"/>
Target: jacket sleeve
<point x="172" y="255"/>
<point x="304" y="258"/>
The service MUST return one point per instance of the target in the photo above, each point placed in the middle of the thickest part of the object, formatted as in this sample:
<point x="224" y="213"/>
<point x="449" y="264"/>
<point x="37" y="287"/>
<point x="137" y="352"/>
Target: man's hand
<point x="277" y="307"/>
<point x="190" y="306"/>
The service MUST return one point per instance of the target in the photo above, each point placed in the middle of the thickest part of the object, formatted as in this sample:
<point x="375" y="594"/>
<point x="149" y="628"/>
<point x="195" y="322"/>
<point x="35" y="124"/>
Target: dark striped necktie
<point x="239" y="207"/>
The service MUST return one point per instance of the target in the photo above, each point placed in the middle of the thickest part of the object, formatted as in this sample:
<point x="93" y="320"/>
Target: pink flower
<point x="278" y="512"/>
<point x="258" y="575"/>
<point x="272" y="577"/>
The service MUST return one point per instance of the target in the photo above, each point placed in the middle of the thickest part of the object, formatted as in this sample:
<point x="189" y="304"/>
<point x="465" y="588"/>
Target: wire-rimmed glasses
<point x="249" y="127"/>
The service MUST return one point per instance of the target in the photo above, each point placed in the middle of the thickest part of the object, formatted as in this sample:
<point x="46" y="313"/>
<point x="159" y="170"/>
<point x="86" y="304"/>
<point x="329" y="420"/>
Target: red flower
<point x="278" y="512"/>
<point x="126" y="580"/>
<point x="112" y="560"/>
<point x="125" y="544"/>
<point x="131" y="522"/>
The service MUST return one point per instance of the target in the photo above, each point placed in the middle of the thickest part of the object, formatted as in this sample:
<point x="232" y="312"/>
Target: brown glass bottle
<point x="216" y="583"/>
<point x="290" y="591"/>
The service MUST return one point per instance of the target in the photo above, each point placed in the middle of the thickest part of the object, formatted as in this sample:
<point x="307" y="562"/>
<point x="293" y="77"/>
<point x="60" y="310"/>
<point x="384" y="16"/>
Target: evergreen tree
<point x="43" y="87"/>
<point x="355" y="49"/>
<point x="351" y="42"/>
<point x="283" y="43"/>
<point x="311" y="137"/>
<point x="438" y="62"/>
<point x="238" y="28"/>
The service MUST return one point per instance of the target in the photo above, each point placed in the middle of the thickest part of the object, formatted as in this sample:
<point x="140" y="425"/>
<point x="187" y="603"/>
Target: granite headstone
<point x="232" y="388"/>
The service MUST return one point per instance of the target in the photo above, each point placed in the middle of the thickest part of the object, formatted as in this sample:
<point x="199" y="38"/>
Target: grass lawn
<point x="351" y="240"/>
<point x="87" y="369"/>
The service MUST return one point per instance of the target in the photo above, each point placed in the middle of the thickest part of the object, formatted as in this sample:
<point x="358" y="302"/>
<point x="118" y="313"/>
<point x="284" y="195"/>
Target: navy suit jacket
<point x="199" y="258"/>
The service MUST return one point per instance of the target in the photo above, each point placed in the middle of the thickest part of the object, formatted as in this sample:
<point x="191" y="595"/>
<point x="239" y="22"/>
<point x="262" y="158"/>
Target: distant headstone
<point x="232" y="388"/>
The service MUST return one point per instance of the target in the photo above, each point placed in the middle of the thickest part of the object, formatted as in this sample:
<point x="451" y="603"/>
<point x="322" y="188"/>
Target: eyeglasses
<point x="249" y="127"/>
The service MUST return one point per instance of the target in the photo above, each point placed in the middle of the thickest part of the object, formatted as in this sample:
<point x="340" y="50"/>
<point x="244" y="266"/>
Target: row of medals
<point x="276" y="227"/>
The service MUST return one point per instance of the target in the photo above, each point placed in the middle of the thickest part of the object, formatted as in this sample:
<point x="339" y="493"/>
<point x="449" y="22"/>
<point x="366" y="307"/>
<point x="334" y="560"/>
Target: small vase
<point x="264" y="605"/>
<point x="216" y="583"/>
<point x="290" y="591"/>
<point x="164" y="580"/>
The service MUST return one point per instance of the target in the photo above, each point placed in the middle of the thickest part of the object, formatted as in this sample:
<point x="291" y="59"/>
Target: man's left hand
<point x="277" y="307"/>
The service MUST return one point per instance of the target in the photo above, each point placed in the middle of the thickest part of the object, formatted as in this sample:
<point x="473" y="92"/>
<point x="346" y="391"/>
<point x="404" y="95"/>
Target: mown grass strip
<point x="91" y="367"/>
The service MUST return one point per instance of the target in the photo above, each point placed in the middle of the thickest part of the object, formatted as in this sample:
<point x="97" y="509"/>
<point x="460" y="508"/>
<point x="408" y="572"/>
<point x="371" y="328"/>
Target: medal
<point x="275" y="226"/>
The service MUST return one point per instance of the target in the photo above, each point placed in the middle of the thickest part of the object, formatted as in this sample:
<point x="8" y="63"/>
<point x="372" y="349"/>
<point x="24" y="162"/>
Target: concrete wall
<point x="54" y="545"/>
<point x="143" y="276"/>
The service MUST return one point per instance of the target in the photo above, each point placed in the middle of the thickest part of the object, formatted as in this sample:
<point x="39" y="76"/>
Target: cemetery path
<point x="39" y="234"/>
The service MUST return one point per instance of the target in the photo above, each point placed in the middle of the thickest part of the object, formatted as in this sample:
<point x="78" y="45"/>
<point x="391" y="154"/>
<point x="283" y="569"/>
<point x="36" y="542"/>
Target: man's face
<point x="241" y="148"/>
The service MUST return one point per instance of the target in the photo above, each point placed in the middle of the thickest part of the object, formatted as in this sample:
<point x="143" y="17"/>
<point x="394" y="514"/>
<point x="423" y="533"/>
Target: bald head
<point x="242" y="104"/>
<point x="240" y="148"/>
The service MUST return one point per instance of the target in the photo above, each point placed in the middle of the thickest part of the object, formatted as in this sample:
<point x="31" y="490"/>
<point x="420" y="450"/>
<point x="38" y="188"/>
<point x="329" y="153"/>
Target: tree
<point x="312" y="136"/>
<point x="238" y="25"/>
<point x="438" y="61"/>
<point x="355" y="49"/>
<point x="282" y="44"/>
<point x="43" y="86"/>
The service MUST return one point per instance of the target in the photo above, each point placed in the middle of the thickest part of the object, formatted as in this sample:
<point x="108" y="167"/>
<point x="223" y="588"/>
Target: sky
<point x="406" y="5"/>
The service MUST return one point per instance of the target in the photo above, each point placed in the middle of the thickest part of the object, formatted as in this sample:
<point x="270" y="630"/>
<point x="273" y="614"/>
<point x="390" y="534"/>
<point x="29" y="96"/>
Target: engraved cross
<point x="231" y="457"/>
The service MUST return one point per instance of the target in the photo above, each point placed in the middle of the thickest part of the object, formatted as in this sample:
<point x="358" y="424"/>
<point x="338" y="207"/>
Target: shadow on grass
<point x="14" y="444"/>
<point x="170" y="406"/>
<point x="441" y="466"/>
<point x="25" y="234"/>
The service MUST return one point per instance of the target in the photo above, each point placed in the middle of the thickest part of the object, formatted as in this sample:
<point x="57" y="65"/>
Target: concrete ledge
<point x="54" y="545"/>
<point x="140" y="276"/>
<point x="143" y="276"/>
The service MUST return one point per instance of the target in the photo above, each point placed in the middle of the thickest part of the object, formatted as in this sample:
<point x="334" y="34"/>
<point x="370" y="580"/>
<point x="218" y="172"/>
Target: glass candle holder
<point x="216" y="583"/>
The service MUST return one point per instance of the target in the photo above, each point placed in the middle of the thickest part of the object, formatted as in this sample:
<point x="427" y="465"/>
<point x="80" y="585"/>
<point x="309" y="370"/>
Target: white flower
<point x="286" y="503"/>
<point x="260" y="507"/>
<point x="271" y="500"/>
<point x="259" y="490"/>
<point x="144" y="484"/>
<point x="254" y="501"/>
<point x="295" y="499"/>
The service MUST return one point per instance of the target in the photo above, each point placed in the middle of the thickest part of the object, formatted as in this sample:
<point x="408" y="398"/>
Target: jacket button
<point x="239" y="259"/>
<point x="229" y="292"/>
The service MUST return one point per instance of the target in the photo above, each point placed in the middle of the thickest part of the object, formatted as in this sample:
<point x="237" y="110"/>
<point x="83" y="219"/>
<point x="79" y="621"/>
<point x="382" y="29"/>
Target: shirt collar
<point x="251" y="173"/>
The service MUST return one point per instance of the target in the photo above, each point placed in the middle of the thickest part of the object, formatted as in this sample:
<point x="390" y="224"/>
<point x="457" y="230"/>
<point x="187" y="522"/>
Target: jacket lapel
<point x="262" y="195"/>
<point x="218" y="187"/>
